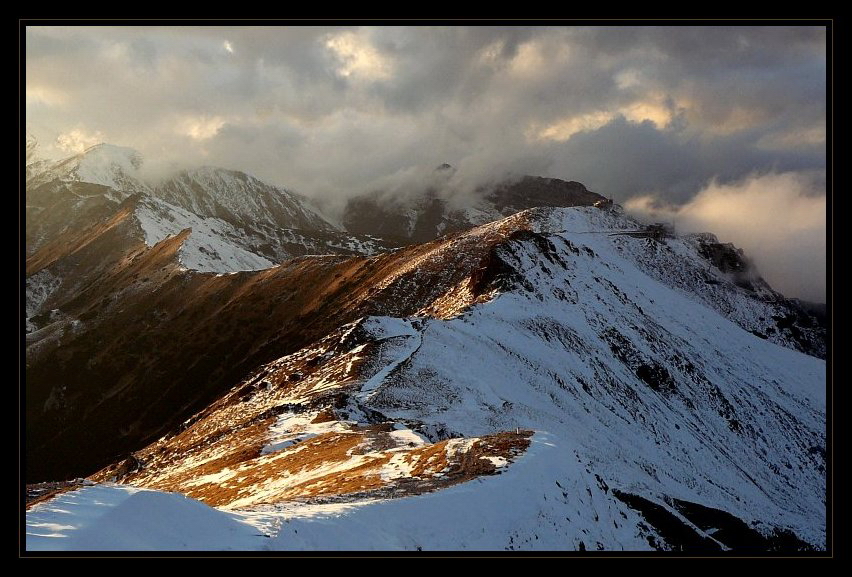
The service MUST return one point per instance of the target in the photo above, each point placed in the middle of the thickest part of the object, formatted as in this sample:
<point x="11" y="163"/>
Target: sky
<point x="714" y="128"/>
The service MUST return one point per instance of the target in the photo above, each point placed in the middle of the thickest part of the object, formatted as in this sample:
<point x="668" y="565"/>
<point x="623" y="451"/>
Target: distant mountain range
<point x="535" y="370"/>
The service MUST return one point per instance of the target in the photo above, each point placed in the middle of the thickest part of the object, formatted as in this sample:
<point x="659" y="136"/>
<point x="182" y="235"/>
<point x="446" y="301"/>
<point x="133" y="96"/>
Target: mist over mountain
<point x="667" y="113"/>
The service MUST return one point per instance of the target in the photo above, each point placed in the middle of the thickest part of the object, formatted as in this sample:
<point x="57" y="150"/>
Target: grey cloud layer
<point x="330" y="112"/>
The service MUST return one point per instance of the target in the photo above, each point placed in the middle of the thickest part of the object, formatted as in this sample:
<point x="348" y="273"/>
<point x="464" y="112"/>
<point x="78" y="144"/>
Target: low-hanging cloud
<point x="777" y="218"/>
<point x="76" y="141"/>
<point x="332" y="112"/>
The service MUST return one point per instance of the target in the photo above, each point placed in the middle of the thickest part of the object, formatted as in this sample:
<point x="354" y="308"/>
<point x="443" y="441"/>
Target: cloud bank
<point x="335" y="111"/>
<point x="779" y="219"/>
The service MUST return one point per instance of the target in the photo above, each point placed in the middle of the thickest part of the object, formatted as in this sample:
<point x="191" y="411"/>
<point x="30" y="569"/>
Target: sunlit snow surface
<point x="121" y="518"/>
<point x="213" y="246"/>
<point x="738" y="427"/>
<point x="522" y="508"/>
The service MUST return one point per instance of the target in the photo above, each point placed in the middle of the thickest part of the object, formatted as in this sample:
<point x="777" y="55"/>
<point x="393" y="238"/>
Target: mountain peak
<point x="239" y="199"/>
<point x="116" y="167"/>
<point x="112" y="154"/>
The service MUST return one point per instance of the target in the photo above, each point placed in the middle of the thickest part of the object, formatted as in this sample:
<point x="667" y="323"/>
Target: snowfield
<point x="523" y="508"/>
<point x="213" y="246"/>
<point x="121" y="518"/>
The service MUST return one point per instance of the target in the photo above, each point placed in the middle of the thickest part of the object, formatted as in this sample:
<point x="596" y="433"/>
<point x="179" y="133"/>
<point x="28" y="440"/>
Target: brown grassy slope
<point x="73" y="239"/>
<point x="158" y="343"/>
<point x="54" y="208"/>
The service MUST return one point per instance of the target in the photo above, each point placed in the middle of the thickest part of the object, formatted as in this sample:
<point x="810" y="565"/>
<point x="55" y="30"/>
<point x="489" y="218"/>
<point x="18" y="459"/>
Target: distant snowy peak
<point x="238" y="222"/>
<point x="116" y="167"/>
<point x="110" y="155"/>
<point x="238" y="198"/>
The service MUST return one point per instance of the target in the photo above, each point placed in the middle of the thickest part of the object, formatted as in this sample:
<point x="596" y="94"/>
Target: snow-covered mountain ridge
<point x="662" y="420"/>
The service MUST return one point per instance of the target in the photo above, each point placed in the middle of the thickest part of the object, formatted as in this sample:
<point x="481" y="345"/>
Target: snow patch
<point x="213" y="245"/>
<point x="292" y="428"/>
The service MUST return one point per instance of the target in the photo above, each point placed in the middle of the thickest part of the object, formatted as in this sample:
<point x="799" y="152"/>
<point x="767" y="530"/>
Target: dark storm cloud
<point x="630" y="111"/>
<point x="625" y="158"/>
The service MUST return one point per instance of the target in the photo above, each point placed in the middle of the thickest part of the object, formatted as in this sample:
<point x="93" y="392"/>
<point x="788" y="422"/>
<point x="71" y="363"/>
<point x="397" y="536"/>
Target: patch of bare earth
<point x="335" y="464"/>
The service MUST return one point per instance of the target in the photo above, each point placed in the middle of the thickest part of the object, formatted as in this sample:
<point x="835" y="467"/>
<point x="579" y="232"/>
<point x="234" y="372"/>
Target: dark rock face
<point x="726" y="257"/>
<point x="430" y="215"/>
<point x="722" y="529"/>
<point x="532" y="191"/>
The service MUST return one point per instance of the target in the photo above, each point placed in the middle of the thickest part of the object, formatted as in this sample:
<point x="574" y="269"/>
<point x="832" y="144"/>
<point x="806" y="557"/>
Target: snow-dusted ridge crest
<point x="116" y="167"/>
<point x="238" y="222"/>
<point x="662" y="420"/>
